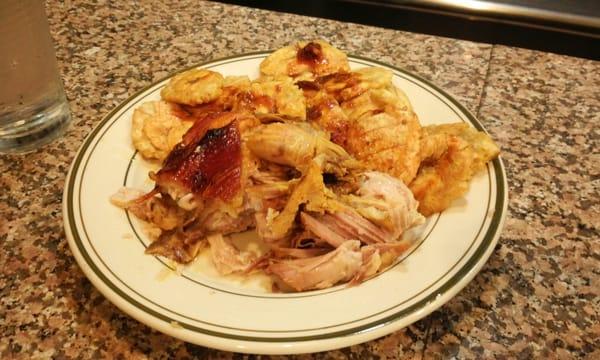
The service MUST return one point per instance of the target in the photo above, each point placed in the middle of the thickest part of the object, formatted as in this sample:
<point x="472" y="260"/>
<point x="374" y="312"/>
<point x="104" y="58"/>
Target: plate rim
<point x="443" y="293"/>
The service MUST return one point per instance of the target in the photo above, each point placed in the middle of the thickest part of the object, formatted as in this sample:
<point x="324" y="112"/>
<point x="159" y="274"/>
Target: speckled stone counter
<point x="537" y="297"/>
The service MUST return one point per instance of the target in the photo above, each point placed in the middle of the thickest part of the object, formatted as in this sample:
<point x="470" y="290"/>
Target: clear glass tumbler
<point x="33" y="107"/>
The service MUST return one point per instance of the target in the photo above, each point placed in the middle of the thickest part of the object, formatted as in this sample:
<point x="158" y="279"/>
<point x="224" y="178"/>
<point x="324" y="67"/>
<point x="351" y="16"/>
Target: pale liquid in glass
<point x="33" y="108"/>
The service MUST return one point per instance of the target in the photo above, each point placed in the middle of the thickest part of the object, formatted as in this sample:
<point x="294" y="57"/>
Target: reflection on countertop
<point x="561" y="26"/>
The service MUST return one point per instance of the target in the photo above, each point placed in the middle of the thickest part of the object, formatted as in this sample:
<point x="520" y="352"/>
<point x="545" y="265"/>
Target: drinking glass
<point x="33" y="106"/>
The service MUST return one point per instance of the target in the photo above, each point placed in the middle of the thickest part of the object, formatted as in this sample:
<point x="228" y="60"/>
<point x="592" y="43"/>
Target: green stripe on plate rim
<point x="491" y="234"/>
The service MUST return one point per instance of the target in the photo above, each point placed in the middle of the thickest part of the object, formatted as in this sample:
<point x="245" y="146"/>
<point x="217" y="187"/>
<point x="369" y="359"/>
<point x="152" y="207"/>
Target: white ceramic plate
<point x="238" y="314"/>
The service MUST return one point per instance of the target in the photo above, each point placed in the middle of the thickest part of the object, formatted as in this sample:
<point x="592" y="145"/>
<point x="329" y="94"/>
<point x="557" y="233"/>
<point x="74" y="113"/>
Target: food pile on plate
<point x="329" y="166"/>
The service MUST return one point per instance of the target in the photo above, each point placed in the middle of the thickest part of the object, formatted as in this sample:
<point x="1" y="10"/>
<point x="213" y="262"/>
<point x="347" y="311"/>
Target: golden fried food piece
<point x="239" y="83"/>
<point x="289" y="99"/>
<point x="447" y="179"/>
<point x="324" y="110"/>
<point x="231" y="95"/>
<point x="389" y="99"/>
<point x="384" y="133"/>
<point x="485" y="149"/>
<point x="233" y="86"/>
<point x="310" y="191"/>
<point x="376" y="124"/>
<point x="296" y="145"/>
<point x="267" y="95"/>
<point x="193" y="87"/>
<point x="305" y="60"/>
<point x="345" y="86"/>
<point x="277" y="95"/>
<point x="157" y="126"/>
<point x="452" y="155"/>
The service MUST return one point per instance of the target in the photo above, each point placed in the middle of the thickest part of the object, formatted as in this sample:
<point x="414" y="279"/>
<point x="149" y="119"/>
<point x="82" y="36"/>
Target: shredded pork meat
<point x="322" y="271"/>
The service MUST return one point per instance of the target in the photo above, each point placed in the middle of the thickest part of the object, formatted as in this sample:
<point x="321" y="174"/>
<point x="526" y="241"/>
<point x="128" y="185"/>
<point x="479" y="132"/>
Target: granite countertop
<point x="537" y="296"/>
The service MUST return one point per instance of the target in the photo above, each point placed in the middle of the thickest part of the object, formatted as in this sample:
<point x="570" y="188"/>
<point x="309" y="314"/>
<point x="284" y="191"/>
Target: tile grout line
<point x="485" y="82"/>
